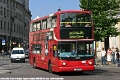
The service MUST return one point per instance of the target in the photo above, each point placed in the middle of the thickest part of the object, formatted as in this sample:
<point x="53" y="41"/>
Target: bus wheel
<point x="50" y="68"/>
<point x="34" y="63"/>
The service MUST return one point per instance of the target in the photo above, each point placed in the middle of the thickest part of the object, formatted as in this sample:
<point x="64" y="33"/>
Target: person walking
<point x="2" y="53"/>
<point x="109" y="53"/>
<point x="117" y="57"/>
<point x="113" y="55"/>
<point x="103" y="54"/>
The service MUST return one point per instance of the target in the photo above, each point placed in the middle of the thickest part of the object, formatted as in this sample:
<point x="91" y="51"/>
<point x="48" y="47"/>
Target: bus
<point x="62" y="42"/>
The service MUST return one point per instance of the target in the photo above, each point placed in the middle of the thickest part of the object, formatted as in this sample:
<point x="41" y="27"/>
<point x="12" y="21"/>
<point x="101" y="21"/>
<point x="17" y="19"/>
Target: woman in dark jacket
<point x="117" y="56"/>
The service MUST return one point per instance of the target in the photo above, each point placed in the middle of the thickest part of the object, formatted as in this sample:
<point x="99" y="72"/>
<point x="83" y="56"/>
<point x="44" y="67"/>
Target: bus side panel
<point x="31" y="55"/>
<point x="38" y="60"/>
<point x="42" y="60"/>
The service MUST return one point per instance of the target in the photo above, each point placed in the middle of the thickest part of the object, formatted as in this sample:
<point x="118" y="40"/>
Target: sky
<point x="46" y="7"/>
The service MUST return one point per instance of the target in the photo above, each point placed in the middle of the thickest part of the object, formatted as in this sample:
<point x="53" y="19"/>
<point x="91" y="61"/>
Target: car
<point x="26" y="53"/>
<point x="17" y="54"/>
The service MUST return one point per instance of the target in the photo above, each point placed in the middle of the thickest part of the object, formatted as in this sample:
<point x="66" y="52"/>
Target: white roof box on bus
<point x="51" y="15"/>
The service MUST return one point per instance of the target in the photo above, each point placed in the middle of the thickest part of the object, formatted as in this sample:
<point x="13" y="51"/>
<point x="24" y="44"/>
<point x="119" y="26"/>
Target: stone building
<point x="14" y="20"/>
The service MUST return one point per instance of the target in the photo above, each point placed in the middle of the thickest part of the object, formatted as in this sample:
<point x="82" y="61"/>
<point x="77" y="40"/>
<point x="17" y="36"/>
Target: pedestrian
<point x="113" y="55"/>
<point x="8" y="53"/>
<point x="2" y="53"/>
<point x="117" y="57"/>
<point x="103" y="54"/>
<point x="109" y="53"/>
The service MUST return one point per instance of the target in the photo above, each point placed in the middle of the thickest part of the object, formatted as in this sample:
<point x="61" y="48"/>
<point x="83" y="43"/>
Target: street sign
<point x="3" y="41"/>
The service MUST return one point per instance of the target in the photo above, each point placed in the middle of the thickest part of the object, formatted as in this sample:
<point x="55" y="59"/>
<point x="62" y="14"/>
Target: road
<point x="23" y="71"/>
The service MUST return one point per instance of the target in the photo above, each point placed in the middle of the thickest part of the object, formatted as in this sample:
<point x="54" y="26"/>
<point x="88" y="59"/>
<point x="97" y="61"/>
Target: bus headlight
<point x="64" y="63"/>
<point x="90" y="62"/>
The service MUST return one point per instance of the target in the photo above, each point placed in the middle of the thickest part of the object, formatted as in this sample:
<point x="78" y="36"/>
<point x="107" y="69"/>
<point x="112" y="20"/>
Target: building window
<point x="19" y="29"/>
<point x="4" y="1"/>
<point x="16" y="5"/>
<point x="4" y="25"/>
<point x="14" y="27"/>
<point x="1" y="24"/>
<point x="1" y="10"/>
<point x="7" y="13"/>
<point x="16" y="15"/>
<point x="4" y="12"/>
<point x="7" y="1"/>
<point x="13" y="4"/>
<point x="10" y="12"/>
<point x="8" y="26"/>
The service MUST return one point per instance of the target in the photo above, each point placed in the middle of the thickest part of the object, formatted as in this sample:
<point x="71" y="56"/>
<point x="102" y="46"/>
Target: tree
<point x="103" y="15"/>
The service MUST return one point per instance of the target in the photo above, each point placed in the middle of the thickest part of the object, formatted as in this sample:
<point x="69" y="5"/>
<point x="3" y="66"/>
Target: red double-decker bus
<point x="62" y="42"/>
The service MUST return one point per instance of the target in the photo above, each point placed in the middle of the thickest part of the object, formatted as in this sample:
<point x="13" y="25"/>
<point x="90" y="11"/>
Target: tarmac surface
<point x="3" y="71"/>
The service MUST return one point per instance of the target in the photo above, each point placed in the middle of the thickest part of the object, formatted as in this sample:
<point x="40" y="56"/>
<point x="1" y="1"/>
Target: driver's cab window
<point x="90" y="49"/>
<point x="81" y="49"/>
<point x="60" y="49"/>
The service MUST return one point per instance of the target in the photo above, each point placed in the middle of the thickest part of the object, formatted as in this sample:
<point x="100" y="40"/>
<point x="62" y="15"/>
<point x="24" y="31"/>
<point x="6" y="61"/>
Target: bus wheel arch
<point x="50" y="66"/>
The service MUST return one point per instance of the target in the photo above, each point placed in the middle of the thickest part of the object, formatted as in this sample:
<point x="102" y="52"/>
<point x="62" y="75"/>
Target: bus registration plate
<point x="77" y="69"/>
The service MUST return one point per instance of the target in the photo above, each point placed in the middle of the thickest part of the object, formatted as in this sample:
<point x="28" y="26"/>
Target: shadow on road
<point x="88" y="73"/>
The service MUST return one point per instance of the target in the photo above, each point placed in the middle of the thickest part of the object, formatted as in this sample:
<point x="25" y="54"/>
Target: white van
<point x="17" y="54"/>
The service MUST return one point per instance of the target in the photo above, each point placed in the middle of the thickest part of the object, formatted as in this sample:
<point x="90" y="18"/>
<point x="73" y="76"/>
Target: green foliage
<point x="103" y="12"/>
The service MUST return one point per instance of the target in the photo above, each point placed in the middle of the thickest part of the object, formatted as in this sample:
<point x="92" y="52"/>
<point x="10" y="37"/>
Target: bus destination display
<point x="75" y="33"/>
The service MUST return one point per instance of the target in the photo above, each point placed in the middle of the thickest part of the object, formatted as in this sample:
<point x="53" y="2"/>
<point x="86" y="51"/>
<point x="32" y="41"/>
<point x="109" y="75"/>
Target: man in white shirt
<point x="103" y="55"/>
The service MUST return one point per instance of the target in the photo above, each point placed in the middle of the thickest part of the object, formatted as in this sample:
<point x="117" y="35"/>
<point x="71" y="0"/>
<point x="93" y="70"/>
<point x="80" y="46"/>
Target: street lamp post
<point x="11" y="22"/>
<point x="24" y="35"/>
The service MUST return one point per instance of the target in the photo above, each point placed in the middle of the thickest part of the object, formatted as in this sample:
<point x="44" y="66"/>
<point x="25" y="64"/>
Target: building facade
<point x="14" y="20"/>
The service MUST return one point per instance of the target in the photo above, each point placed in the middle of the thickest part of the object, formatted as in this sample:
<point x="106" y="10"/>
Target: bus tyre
<point x="50" y="68"/>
